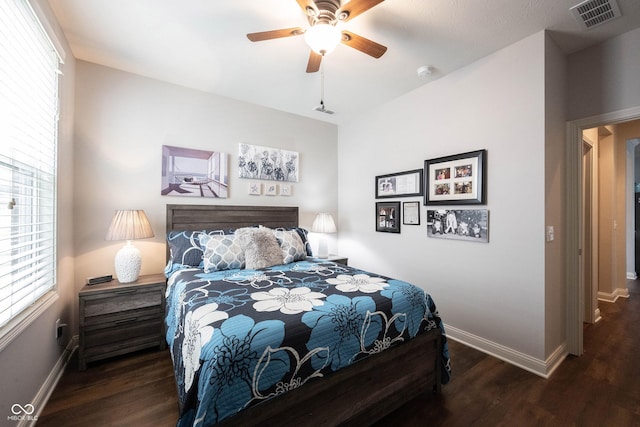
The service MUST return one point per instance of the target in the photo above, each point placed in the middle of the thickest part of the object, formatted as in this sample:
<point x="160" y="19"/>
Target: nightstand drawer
<point x="119" y="347"/>
<point x="121" y="333"/>
<point x="121" y="300"/>
<point x="123" y="318"/>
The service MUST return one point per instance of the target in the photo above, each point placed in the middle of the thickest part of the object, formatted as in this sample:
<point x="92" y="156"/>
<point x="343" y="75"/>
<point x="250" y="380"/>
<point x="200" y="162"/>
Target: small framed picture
<point x="270" y="189"/>
<point x="285" y="189"/>
<point x="255" y="188"/>
<point x="411" y="213"/>
<point x="401" y="184"/>
<point x="388" y="217"/>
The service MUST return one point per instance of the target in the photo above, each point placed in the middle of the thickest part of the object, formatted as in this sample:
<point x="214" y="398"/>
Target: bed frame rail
<point x="357" y="395"/>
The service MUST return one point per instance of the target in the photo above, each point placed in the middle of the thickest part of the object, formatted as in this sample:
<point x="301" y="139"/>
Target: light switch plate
<point x="549" y="233"/>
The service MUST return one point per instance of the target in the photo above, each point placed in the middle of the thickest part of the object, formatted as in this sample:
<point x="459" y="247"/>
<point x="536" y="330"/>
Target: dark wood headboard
<point x="218" y="217"/>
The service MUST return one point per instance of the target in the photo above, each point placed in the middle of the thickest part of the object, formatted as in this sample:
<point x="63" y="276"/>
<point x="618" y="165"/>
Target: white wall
<point x="555" y="210"/>
<point x="604" y="78"/>
<point x="122" y="121"/>
<point x="497" y="290"/>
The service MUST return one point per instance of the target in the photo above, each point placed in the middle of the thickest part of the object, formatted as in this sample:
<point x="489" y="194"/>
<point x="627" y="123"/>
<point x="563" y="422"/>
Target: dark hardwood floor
<point x="600" y="388"/>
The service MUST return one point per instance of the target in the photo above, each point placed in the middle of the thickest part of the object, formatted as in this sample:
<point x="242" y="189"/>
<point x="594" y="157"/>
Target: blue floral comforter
<point x="238" y="337"/>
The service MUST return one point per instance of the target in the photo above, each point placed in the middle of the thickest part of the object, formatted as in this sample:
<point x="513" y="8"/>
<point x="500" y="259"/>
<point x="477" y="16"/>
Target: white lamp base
<point x="128" y="263"/>
<point x="323" y="248"/>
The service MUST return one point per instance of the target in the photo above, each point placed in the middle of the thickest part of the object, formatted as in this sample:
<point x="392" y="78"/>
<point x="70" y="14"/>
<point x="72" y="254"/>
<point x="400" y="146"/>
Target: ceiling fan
<point x="323" y="35"/>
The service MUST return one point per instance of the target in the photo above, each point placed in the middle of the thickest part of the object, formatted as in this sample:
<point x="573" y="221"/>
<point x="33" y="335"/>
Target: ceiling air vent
<point x="591" y="13"/>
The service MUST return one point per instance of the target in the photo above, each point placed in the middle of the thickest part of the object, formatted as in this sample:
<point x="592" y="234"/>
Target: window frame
<point x="19" y="321"/>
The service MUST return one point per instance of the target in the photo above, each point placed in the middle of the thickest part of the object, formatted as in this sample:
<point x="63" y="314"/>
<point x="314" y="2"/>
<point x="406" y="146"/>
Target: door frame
<point x="631" y="208"/>
<point x="574" y="229"/>
<point x="589" y="258"/>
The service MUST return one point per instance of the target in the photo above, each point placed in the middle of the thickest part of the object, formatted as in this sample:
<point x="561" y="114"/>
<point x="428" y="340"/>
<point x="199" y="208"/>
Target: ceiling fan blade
<point x="355" y="8"/>
<point x="314" y="62"/>
<point x="362" y="44"/>
<point x="275" y="34"/>
<point x="308" y="7"/>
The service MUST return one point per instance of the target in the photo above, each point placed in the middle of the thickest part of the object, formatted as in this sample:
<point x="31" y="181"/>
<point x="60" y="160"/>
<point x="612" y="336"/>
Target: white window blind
<point x="28" y="147"/>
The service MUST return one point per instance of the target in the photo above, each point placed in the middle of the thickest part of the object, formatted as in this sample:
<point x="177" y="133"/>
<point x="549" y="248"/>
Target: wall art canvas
<point x="459" y="224"/>
<point x="274" y="164"/>
<point x="194" y="173"/>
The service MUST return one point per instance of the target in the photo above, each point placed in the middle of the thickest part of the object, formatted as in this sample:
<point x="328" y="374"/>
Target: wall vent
<point x="591" y="13"/>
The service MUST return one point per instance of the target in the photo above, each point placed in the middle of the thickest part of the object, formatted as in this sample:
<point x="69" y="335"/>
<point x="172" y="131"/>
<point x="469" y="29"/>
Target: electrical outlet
<point x="58" y="329"/>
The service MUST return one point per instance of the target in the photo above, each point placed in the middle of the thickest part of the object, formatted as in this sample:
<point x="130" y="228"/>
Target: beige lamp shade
<point x="129" y="225"/>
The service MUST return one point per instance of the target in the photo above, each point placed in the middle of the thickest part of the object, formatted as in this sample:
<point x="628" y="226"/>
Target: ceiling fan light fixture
<point x="323" y="38"/>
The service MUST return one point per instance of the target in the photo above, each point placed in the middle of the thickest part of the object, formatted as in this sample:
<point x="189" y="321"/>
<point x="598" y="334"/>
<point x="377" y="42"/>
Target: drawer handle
<point x="127" y="291"/>
<point x="121" y="322"/>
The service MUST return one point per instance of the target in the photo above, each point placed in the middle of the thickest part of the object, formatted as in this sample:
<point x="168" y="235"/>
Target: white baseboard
<point x="631" y="275"/>
<point x="597" y="316"/>
<point x="43" y="395"/>
<point x="543" y="368"/>
<point x="613" y="296"/>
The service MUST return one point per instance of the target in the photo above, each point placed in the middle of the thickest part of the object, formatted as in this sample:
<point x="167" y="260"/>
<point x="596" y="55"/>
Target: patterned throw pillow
<point x="184" y="246"/>
<point x="305" y="239"/>
<point x="221" y="252"/>
<point x="293" y="249"/>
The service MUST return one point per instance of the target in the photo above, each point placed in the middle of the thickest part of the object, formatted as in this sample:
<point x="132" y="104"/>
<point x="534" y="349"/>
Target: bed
<point x="303" y="341"/>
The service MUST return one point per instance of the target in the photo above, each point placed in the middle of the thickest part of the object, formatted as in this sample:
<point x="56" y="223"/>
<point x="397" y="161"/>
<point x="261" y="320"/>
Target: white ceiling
<point x="202" y="44"/>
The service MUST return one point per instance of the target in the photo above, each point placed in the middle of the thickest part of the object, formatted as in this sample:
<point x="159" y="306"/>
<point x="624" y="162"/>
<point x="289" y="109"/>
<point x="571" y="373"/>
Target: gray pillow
<point x="293" y="248"/>
<point x="221" y="252"/>
<point x="261" y="248"/>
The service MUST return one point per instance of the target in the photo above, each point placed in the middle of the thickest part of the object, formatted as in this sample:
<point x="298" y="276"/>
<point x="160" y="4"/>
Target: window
<point x="28" y="148"/>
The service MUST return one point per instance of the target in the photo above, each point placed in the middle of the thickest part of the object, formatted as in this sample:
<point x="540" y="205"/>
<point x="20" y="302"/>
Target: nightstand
<point x="338" y="259"/>
<point x="118" y="318"/>
<point x="333" y="258"/>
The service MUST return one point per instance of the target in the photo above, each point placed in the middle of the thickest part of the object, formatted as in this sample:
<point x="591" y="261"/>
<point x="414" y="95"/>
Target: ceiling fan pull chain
<point x="322" y="108"/>
<point x="322" y="83"/>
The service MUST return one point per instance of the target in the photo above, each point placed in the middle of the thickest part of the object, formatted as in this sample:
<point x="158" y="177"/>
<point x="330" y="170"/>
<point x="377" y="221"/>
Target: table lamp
<point x="129" y="225"/>
<point x="323" y="224"/>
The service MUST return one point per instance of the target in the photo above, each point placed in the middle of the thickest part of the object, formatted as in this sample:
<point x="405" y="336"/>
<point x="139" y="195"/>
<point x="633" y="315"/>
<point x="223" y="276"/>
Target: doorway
<point x="575" y="255"/>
